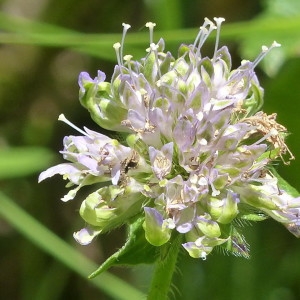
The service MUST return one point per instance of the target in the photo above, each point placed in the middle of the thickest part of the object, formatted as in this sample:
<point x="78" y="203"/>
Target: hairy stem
<point x="164" y="269"/>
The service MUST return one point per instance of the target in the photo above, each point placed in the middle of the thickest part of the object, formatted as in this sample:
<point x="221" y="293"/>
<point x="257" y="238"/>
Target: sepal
<point x="96" y="97"/>
<point x="157" y="230"/>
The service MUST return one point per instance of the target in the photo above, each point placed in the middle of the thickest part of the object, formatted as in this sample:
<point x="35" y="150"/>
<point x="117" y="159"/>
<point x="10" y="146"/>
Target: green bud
<point x="208" y="227"/>
<point x="111" y="206"/>
<point x="223" y="210"/>
<point x="157" y="230"/>
<point x="198" y="252"/>
<point x="229" y="209"/>
<point x="253" y="103"/>
<point x="214" y="207"/>
<point x="103" y="109"/>
<point x="202" y="246"/>
<point x="95" y="211"/>
<point x="254" y="196"/>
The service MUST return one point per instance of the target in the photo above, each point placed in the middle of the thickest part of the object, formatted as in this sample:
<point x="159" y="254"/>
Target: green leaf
<point x="23" y="161"/>
<point x="251" y="34"/>
<point x="248" y="214"/>
<point x="135" y="251"/>
<point x="276" y="14"/>
<point x="284" y="185"/>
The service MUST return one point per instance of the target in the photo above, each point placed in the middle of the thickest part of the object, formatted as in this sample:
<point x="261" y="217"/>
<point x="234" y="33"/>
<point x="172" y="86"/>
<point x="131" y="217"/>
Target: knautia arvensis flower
<point x="196" y="152"/>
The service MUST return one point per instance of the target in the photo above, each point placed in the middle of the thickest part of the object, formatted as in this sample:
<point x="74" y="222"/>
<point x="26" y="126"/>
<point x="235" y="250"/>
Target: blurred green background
<point x="44" y="45"/>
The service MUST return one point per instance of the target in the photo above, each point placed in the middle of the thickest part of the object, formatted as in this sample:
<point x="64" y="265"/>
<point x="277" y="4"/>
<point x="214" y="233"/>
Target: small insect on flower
<point x="128" y="164"/>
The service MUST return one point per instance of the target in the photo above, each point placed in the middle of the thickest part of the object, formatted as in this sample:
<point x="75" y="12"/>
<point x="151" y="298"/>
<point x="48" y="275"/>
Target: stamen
<point x="62" y="118"/>
<point x="125" y="29"/>
<point x="211" y="28"/>
<point x="218" y="22"/>
<point x="117" y="47"/>
<point x="127" y="59"/>
<point x="150" y="25"/>
<point x="205" y="34"/>
<point x="264" y="52"/>
<point x="198" y="37"/>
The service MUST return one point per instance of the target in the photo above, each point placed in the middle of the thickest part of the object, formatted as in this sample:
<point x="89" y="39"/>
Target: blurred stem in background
<point x="61" y="251"/>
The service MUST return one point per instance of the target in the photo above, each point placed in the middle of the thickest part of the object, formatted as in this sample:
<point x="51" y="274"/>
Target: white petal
<point x="85" y="235"/>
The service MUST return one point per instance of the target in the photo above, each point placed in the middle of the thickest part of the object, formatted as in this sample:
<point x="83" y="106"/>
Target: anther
<point x="218" y="22"/>
<point x="204" y="34"/>
<point x="127" y="58"/>
<point x="125" y="29"/>
<point x="117" y="47"/>
<point x="202" y="31"/>
<point x="264" y="52"/>
<point x="150" y="25"/>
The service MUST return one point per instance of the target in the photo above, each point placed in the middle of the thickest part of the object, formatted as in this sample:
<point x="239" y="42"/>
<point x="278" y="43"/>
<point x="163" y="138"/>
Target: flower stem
<point x="164" y="269"/>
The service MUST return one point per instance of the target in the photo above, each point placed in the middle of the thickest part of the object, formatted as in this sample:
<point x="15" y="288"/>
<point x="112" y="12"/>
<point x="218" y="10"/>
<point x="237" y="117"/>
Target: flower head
<point x="198" y="150"/>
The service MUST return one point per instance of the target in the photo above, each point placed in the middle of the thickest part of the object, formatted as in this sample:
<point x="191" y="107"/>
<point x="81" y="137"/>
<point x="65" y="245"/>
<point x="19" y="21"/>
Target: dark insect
<point x="129" y="163"/>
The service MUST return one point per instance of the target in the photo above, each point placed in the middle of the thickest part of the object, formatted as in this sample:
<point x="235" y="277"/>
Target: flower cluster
<point x="194" y="154"/>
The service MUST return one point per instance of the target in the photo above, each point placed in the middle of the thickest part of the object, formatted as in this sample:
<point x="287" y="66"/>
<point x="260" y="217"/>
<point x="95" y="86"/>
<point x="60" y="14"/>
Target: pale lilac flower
<point x="198" y="150"/>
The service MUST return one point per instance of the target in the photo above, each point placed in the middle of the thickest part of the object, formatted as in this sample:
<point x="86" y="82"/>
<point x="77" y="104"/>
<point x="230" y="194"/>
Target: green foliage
<point x="23" y="161"/>
<point x="284" y="17"/>
<point x="284" y="185"/>
<point x="135" y="251"/>
<point x="63" y="252"/>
